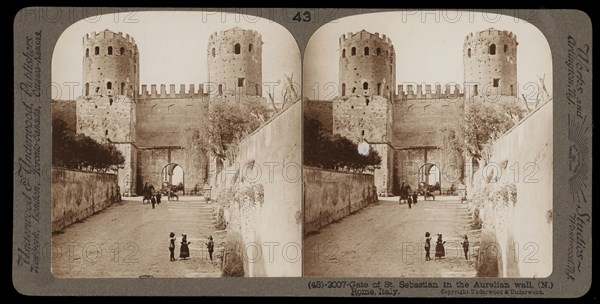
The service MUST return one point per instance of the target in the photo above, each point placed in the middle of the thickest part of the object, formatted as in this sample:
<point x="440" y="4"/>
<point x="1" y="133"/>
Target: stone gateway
<point x="153" y="128"/>
<point x="404" y="123"/>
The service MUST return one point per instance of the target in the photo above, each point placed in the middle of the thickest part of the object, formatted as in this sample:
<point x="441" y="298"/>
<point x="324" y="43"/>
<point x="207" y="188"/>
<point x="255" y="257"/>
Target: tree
<point x="78" y="151"/>
<point x="230" y="123"/>
<point x="197" y="142"/>
<point x="59" y="127"/>
<point x="480" y="126"/>
<point x="336" y="152"/>
<point x="290" y="94"/>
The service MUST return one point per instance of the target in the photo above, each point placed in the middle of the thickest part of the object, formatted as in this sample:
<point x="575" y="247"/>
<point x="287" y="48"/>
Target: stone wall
<point x="384" y="175"/>
<point x="332" y="195"/>
<point x="266" y="207"/>
<point x="128" y="171"/>
<point x="418" y="122"/>
<point x="363" y="117"/>
<point x="103" y="118"/>
<point x="77" y="195"/>
<point x="161" y="121"/>
<point x="514" y="197"/>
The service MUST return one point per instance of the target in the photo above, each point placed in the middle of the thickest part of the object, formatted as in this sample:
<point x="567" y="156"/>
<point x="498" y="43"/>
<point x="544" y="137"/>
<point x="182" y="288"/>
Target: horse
<point x="147" y="198"/>
<point x="404" y="197"/>
<point x="172" y="195"/>
<point x="428" y="193"/>
<point x="404" y="194"/>
<point x="435" y="187"/>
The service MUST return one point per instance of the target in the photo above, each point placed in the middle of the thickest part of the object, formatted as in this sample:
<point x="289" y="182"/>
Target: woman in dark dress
<point x="440" y="252"/>
<point x="184" y="250"/>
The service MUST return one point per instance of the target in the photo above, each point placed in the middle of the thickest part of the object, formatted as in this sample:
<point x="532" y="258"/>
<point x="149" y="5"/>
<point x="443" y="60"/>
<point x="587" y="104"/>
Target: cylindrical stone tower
<point x="367" y="65"/>
<point x="490" y="61"/>
<point x="110" y="64"/>
<point x="235" y="62"/>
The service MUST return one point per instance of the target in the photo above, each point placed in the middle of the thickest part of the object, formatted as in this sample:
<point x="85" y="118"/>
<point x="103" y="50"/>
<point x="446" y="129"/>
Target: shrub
<point x="327" y="151"/>
<point x="81" y="152"/>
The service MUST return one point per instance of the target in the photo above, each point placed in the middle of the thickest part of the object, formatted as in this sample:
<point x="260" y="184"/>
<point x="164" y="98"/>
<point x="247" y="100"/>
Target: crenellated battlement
<point x="107" y="34"/>
<point x="490" y="32"/>
<point x="428" y="91"/>
<point x="235" y="32"/>
<point x="184" y="91"/>
<point x="365" y="36"/>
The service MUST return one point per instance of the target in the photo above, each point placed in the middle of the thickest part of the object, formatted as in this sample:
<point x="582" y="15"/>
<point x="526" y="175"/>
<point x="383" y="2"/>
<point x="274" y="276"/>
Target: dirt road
<point x="129" y="240"/>
<point x="386" y="239"/>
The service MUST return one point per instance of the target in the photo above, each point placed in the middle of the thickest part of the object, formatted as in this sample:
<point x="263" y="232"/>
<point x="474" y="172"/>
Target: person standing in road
<point x="465" y="245"/>
<point x="158" y="197"/>
<point x="440" y="252"/>
<point x="427" y="246"/>
<point x="210" y="246"/>
<point x="414" y="197"/>
<point x="172" y="246"/>
<point x="153" y="201"/>
<point x="184" y="250"/>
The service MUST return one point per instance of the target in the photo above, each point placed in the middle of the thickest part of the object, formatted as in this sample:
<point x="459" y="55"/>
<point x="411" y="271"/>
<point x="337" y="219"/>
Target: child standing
<point x="427" y="246"/>
<point x="210" y="246"/>
<point x="465" y="245"/>
<point x="172" y="246"/>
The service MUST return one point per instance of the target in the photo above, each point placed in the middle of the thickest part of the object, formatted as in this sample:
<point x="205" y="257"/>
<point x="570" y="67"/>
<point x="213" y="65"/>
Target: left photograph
<point x="176" y="147"/>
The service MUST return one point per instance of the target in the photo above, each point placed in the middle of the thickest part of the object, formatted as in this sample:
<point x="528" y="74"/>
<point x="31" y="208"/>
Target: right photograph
<point x="428" y="147"/>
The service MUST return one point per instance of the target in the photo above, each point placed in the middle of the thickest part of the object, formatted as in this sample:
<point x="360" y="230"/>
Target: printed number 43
<point x="302" y="17"/>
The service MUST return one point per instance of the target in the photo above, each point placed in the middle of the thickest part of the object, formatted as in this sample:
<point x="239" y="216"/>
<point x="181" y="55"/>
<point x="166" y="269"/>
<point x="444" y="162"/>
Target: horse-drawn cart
<point x="426" y="190"/>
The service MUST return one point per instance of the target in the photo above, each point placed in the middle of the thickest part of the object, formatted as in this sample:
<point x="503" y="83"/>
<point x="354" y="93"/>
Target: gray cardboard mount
<point x="559" y="26"/>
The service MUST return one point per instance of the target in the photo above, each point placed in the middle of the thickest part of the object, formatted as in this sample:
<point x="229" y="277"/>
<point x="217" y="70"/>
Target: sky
<point x="428" y="48"/>
<point x="172" y="47"/>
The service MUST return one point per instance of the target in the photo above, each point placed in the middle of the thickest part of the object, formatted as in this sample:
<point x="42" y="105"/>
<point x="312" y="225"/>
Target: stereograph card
<point x="302" y="152"/>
